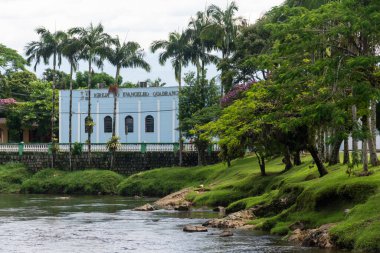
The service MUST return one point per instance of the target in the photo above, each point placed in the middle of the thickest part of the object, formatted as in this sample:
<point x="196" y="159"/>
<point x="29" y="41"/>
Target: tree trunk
<point x="355" y="154"/>
<point x="327" y="146"/>
<point x="287" y="159"/>
<point x="261" y="161"/>
<point x="53" y="106"/>
<point x="365" y="144"/>
<point x="70" y="119"/>
<point x="297" y="158"/>
<point x="89" y="113"/>
<point x="115" y="95"/>
<point x="321" y="143"/>
<point x="346" y="156"/>
<point x="180" y="131"/>
<point x="372" y="137"/>
<point x="314" y="153"/>
<point x="334" y="157"/>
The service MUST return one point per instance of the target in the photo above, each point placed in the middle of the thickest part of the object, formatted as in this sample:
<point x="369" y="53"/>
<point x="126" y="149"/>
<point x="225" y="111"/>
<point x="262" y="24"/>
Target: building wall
<point x="160" y="102"/>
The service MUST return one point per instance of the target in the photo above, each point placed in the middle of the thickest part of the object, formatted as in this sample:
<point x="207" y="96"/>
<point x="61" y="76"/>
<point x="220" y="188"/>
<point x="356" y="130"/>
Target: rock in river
<point x="194" y="228"/>
<point x="146" y="207"/>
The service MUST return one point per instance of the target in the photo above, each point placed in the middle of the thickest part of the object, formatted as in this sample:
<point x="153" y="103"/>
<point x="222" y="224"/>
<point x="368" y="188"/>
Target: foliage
<point x="77" y="148"/>
<point x="18" y="85"/>
<point x="113" y="144"/>
<point x="11" y="177"/>
<point x="96" y="78"/>
<point x="34" y="114"/>
<point x="10" y="60"/>
<point x="62" y="79"/>
<point x="78" y="182"/>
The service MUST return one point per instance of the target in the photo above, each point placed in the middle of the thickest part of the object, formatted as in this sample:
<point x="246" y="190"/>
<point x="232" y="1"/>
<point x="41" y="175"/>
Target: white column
<point x="173" y="121"/>
<point x="139" y="121"/>
<point x="79" y="123"/>
<point x="117" y="119"/>
<point x="158" y="121"/>
<point x="97" y="122"/>
<point x="60" y="117"/>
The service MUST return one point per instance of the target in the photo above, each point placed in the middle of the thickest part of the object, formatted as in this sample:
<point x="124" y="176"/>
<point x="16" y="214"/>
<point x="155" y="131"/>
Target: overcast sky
<point x="142" y="21"/>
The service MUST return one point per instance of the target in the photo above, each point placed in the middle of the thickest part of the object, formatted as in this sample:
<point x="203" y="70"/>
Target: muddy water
<point x="41" y="223"/>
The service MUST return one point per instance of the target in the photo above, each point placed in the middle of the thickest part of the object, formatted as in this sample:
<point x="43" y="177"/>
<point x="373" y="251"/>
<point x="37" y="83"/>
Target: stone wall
<point x="125" y="162"/>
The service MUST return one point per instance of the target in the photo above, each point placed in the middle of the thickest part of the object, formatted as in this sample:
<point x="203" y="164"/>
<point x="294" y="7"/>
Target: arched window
<point x="88" y="124"/>
<point x="149" y="124"/>
<point x="128" y="124"/>
<point x="107" y="124"/>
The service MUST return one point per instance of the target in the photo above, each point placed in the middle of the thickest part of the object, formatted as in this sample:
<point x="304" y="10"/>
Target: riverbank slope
<point x="283" y="201"/>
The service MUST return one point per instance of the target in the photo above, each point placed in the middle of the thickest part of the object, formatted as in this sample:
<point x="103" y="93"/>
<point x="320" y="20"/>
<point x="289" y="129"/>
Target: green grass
<point x="318" y="200"/>
<point x="78" y="182"/>
<point x="11" y="177"/>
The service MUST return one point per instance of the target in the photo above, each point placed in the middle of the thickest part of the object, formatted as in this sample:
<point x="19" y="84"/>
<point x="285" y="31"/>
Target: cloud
<point x="143" y="21"/>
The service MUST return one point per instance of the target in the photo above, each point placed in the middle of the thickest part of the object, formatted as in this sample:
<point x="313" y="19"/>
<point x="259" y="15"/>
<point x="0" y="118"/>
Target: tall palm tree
<point x="94" y="48"/>
<point x="223" y="30"/>
<point x="178" y="50"/>
<point x="71" y="51"/>
<point x="49" y="45"/>
<point x="123" y="55"/>
<point x="200" y="45"/>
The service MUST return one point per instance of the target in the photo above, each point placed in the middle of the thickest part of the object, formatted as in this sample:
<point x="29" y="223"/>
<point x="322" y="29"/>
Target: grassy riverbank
<point x="352" y="202"/>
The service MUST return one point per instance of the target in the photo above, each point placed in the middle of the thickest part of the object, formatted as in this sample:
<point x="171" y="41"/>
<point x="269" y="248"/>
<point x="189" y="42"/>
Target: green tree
<point x="198" y="105"/>
<point x="177" y="49"/>
<point x="10" y="60"/>
<point x="71" y="51"/>
<point x="48" y="46"/>
<point x="94" y="43"/>
<point x="223" y="31"/>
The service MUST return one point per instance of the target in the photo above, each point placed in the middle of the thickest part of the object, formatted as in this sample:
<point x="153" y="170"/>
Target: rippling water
<point x="40" y="223"/>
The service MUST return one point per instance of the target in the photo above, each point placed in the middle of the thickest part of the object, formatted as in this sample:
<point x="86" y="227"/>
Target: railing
<point x="102" y="147"/>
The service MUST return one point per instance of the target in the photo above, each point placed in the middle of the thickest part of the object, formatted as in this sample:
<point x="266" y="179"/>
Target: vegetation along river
<point x="45" y="223"/>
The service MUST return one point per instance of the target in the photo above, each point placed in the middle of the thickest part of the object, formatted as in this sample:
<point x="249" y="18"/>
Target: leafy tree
<point x="18" y="85"/>
<point x="62" y="79"/>
<point x="34" y="114"/>
<point x="103" y="78"/>
<point x="198" y="104"/>
<point x="10" y="60"/>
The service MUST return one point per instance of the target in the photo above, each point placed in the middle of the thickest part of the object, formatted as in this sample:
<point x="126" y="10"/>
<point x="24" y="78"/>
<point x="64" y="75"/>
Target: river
<point x="44" y="223"/>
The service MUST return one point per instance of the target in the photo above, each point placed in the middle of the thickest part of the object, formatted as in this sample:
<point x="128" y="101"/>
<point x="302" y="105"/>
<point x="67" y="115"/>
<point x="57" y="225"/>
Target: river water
<point x="44" y="223"/>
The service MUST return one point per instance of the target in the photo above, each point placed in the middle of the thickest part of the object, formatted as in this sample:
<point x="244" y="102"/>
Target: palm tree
<point x="124" y="55"/>
<point x="200" y="45"/>
<point x="94" y="48"/>
<point x="223" y="31"/>
<point x="49" y="45"/>
<point x="178" y="50"/>
<point x="71" y="51"/>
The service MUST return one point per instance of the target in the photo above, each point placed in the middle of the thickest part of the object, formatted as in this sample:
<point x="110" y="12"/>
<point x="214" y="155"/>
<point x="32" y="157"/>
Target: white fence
<point x="124" y="147"/>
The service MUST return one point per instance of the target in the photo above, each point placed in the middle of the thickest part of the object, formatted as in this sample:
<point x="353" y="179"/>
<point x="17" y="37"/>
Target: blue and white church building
<point x="143" y="115"/>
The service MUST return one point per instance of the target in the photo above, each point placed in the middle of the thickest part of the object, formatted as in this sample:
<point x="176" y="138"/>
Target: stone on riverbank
<point x="318" y="237"/>
<point x="233" y="220"/>
<point x="194" y="228"/>
<point x="175" y="201"/>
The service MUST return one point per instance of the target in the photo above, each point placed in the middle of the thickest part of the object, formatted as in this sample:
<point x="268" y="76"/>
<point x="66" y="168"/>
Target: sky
<point x="142" y="21"/>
